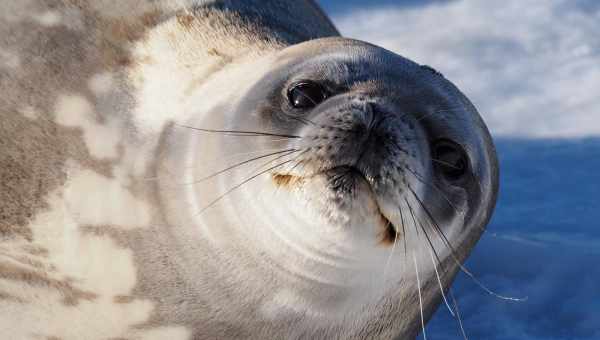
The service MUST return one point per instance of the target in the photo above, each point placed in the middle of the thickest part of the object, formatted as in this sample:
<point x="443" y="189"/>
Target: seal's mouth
<point x="343" y="179"/>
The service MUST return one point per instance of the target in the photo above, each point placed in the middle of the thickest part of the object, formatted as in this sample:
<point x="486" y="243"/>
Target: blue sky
<point x="533" y="70"/>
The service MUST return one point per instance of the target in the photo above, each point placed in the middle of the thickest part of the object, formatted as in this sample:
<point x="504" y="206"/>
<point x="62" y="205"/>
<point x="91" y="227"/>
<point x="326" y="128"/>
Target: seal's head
<point x="369" y="169"/>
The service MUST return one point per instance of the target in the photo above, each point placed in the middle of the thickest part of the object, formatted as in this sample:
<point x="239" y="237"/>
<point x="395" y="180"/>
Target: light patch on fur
<point x="284" y="302"/>
<point x="163" y="333"/>
<point x="177" y="68"/>
<point x="160" y="81"/>
<point x="100" y="139"/>
<point x="118" y="9"/>
<point x="49" y="18"/>
<point x="72" y="18"/>
<point x="97" y="200"/>
<point x="89" y="263"/>
<point x="9" y="60"/>
<point x="12" y="11"/>
<point x="29" y="112"/>
<point x="101" y="83"/>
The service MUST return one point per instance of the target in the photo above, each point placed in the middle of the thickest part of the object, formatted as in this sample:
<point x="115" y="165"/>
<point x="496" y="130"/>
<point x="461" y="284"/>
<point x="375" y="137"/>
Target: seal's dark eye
<point x="450" y="160"/>
<point x="306" y="94"/>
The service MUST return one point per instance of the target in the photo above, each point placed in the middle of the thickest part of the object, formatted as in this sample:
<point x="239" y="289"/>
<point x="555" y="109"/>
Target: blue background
<point x="544" y="239"/>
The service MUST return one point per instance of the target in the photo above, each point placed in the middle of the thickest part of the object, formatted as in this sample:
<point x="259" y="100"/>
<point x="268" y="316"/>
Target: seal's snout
<point x="365" y="136"/>
<point x="364" y="150"/>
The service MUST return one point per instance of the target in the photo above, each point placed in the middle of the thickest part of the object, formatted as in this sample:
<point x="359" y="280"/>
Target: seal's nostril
<point x="370" y="116"/>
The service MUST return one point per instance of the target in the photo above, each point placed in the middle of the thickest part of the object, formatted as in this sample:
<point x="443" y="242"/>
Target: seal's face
<point x="368" y="125"/>
<point x="366" y="151"/>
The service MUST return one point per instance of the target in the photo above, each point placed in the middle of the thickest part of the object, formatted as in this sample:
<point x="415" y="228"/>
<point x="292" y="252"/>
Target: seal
<point x="223" y="169"/>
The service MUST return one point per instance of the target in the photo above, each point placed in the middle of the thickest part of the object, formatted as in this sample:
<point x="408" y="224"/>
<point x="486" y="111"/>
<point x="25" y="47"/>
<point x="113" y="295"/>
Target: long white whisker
<point x="455" y="303"/>
<point x="437" y="274"/>
<point x="444" y="239"/>
<point x="280" y="154"/>
<point x="420" y="298"/>
<point x="212" y="162"/>
<point x="213" y="202"/>
<point x="419" y="177"/>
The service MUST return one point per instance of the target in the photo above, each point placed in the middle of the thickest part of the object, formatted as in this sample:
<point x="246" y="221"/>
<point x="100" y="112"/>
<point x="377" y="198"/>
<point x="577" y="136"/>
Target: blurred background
<point x="532" y="67"/>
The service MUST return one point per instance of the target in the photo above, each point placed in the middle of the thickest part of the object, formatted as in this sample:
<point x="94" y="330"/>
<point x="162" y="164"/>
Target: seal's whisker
<point x="304" y="121"/>
<point x="297" y="156"/>
<point x="224" y="159"/>
<point x="434" y="223"/>
<point x="437" y="274"/>
<point x="403" y="229"/>
<point x="444" y="163"/>
<point x="412" y="213"/>
<point x="444" y="239"/>
<point x="301" y="161"/>
<point x="238" y="133"/>
<point x="285" y="153"/>
<point x="432" y="251"/>
<point x="419" y="177"/>
<point x="256" y="175"/>
<point x="420" y="298"/>
<point x="459" y="318"/>
<point x="443" y="194"/>
<point x="216" y="200"/>
<point x="234" y="155"/>
<point x="417" y="271"/>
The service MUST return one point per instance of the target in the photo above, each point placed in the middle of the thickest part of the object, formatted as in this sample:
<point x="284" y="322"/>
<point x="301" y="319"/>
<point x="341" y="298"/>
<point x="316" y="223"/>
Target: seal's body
<point x="225" y="169"/>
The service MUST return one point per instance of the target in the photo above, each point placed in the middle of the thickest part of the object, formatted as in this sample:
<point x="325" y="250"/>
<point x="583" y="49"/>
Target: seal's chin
<point x="347" y="183"/>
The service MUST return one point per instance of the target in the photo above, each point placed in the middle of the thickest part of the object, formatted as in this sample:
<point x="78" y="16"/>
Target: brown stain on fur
<point x="388" y="235"/>
<point x="286" y="181"/>
<point x="7" y="297"/>
<point x="70" y="294"/>
<point x="185" y="20"/>
<point x="123" y="299"/>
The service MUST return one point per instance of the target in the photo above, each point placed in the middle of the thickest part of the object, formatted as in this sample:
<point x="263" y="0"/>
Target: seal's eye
<point x="306" y="94"/>
<point x="450" y="159"/>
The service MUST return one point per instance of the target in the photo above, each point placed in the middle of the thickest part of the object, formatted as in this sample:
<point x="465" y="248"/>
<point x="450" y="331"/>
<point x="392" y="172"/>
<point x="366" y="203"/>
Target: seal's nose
<point x="355" y="131"/>
<point x="381" y="142"/>
<point x="375" y="134"/>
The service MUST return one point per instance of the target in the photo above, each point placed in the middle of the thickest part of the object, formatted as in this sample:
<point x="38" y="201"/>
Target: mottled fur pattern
<point x="69" y="141"/>
<point x="90" y="92"/>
